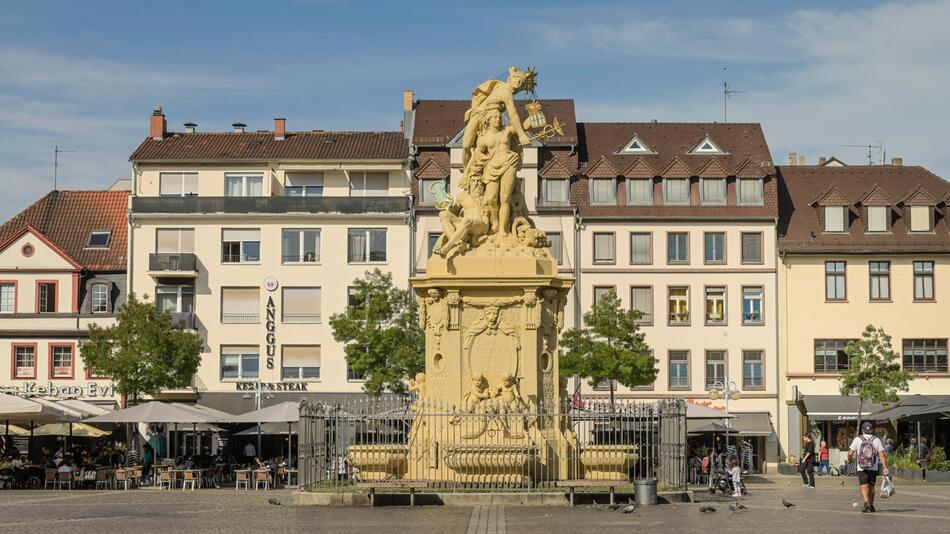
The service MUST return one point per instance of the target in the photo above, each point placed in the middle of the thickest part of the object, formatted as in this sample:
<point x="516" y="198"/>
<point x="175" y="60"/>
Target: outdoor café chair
<point x="103" y="479"/>
<point x="242" y="478"/>
<point x="50" y="481"/>
<point x="191" y="478"/>
<point x="122" y="477"/>
<point x="66" y="478"/>
<point x="261" y="476"/>
<point x="164" y="478"/>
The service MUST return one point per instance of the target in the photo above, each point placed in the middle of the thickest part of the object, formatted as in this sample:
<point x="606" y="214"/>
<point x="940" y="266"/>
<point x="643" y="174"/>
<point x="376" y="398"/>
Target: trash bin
<point x="645" y="491"/>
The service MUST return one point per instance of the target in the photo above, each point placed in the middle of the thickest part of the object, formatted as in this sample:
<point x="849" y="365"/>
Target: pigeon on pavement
<point x="273" y="501"/>
<point x="842" y="482"/>
<point x="596" y="506"/>
<point x="738" y="507"/>
<point x="787" y="504"/>
<point x="707" y="509"/>
<point x="855" y="504"/>
<point x="630" y="507"/>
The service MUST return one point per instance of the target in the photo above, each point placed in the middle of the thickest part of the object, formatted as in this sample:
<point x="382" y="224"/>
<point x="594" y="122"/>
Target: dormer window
<point x="921" y="218"/>
<point x="636" y="146"/>
<point x="835" y="217"/>
<point x="877" y="219"/>
<point x="99" y="239"/>
<point x="707" y="147"/>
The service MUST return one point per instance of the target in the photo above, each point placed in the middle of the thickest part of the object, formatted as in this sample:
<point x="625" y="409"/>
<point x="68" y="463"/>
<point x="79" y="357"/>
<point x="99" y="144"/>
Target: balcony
<point x="172" y="265"/>
<point x="183" y="320"/>
<point x="275" y="205"/>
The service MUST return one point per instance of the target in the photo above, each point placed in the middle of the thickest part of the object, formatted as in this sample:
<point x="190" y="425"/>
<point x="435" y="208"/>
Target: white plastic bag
<point x="887" y="487"/>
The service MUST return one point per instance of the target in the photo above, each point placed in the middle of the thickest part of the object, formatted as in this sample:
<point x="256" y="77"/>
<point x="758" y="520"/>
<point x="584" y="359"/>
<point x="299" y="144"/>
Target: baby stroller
<point x="722" y="481"/>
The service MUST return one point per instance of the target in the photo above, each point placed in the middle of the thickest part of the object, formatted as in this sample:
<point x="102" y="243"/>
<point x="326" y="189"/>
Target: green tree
<point x="874" y="371"/>
<point x="142" y="352"/>
<point x="380" y="334"/>
<point x="609" y="347"/>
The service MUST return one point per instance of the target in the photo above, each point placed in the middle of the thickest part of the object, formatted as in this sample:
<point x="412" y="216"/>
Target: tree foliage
<point x="609" y="347"/>
<point x="874" y="371"/>
<point x="142" y="351"/>
<point x="381" y="335"/>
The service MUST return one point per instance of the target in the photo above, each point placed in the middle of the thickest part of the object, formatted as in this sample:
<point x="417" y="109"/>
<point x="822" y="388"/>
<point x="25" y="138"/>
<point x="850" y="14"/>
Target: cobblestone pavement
<point x="826" y="509"/>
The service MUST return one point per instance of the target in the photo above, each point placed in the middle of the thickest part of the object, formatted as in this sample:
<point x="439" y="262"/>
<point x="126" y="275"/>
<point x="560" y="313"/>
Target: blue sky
<point x="85" y="75"/>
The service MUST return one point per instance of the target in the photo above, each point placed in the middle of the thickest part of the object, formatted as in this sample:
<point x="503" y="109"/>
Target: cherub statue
<point x="464" y="220"/>
<point x="418" y="385"/>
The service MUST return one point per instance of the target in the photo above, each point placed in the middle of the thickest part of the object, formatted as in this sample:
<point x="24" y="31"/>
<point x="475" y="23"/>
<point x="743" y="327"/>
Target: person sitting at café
<point x="65" y="467"/>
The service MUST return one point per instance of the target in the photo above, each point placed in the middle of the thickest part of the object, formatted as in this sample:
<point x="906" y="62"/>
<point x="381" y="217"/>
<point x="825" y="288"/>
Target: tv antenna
<point x="56" y="152"/>
<point x="879" y="148"/>
<point x="726" y="93"/>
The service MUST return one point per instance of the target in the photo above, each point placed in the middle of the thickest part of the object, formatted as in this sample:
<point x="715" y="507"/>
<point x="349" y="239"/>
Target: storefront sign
<point x="89" y="390"/>
<point x="272" y="386"/>
<point x="271" y="326"/>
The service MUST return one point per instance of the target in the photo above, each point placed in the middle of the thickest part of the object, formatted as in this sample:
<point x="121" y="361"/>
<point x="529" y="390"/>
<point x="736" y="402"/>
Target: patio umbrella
<point x="711" y="428"/>
<point x="903" y="408"/>
<point x="86" y="408"/>
<point x="270" y="429"/>
<point x="698" y="411"/>
<point x="154" y="412"/>
<point x="81" y="430"/>
<point x="19" y="409"/>
<point x="13" y="430"/>
<point x="283" y="412"/>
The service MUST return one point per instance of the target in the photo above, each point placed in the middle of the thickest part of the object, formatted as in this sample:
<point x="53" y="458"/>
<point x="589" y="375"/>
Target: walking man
<point x="807" y="465"/>
<point x="869" y="451"/>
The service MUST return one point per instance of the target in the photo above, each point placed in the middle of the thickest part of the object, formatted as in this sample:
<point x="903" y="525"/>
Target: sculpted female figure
<point x="495" y="161"/>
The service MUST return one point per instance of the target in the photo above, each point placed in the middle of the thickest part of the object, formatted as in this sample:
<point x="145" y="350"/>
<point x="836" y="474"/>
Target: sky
<point x="817" y="75"/>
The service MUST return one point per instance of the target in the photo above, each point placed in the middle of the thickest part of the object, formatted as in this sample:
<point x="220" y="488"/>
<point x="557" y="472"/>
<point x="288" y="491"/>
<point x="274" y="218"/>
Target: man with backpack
<point x="869" y="452"/>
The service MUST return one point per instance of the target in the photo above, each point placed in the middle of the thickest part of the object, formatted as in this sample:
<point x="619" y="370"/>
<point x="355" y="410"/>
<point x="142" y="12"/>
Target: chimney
<point x="792" y="158"/>
<point x="897" y="162"/>
<point x="802" y="160"/>
<point x="280" y="128"/>
<point x="191" y="127"/>
<point x="407" y="97"/>
<point x="156" y="125"/>
<point x="402" y="126"/>
<point x="238" y="127"/>
<point x="821" y="161"/>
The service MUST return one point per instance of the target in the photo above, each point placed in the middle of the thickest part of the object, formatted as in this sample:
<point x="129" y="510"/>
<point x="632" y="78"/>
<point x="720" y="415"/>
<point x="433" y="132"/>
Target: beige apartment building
<point x="253" y="240"/>
<point x="859" y="245"/>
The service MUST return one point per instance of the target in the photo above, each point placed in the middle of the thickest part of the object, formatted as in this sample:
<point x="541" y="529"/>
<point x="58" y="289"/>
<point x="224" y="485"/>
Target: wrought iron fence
<point x="402" y="441"/>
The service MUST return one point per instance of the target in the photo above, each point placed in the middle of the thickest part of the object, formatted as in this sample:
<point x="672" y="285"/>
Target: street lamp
<point x="258" y="397"/>
<point x="728" y="390"/>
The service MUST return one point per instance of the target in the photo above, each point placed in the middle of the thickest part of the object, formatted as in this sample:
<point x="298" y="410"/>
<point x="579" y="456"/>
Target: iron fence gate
<point x="412" y="442"/>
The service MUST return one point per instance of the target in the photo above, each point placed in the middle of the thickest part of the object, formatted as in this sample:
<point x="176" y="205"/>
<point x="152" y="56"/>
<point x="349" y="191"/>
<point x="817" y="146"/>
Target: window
<point x="880" y="273"/>
<point x="830" y="356"/>
<point x="240" y="362"/>
<point x="556" y="192"/>
<point x="715" y="369"/>
<point x="352" y="298"/>
<point x="877" y="218"/>
<point x="925" y="355"/>
<point x="679" y="369"/>
<point x="61" y="361"/>
<point x="715" y="305"/>
<point x="241" y="245"/>
<point x="300" y="245"/>
<point x="366" y="245"/>
<point x="605" y="385"/>
<point x="676" y="191"/>
<point x="240" y="305"/>
<point x="301" y="305"/>
<point x="602" y="291"/>
<point x="353" y="375"/>
<point x="640" y="191"/>
<point x="603" y="191"/>
<point x="752" y="305"/>
<point x="641" y="299"/>
<point x="46" y="297"/>
<point x="750" y="191"/>
<point x="243" y="185"/>
<point x="604" y="248"/>
<point x="7" y="297"/>
<point x="557" y="246"/>
<point x="713" y="191"/>
<point x="835" y="280"/>
<point x="920" y="218"/>
<point x="175" y="299"/>
<point x="178" y="184"/>
<point x="714" y="247"/>
<point x="175" y="240"/>
<point x="433" y="238"/>
<point x="369" y="184"/>
<point x="923" y="280"/>
<point x="679" y="305"/>
<point x="751" y="247"/>
<point x="24" y="361"/>
<point x="636" y="146"/>
<point x="99" y="239"/>
<point x="300" y="362"/>
<point x="641" y="248"/>
<point x="752" y="364"/>
<point x="706" y="146"/>
<point x="835" y="218"/>
<point x="677" y="247"/>
<point x="100" y="298"/>
<point x="304" y="184"/>
<point x="426" y="195"/>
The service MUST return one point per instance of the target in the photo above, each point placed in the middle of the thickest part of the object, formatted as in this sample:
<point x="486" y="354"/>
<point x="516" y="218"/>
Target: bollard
<point x="645" y="491"/>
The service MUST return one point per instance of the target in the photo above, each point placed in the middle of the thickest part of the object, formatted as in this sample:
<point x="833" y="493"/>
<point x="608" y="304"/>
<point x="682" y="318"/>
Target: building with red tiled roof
<point x="62" y="268"/>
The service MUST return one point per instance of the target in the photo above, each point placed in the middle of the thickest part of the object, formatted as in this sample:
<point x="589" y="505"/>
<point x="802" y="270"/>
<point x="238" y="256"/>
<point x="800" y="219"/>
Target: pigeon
<point x="842" y="482"/>
<point x="273" y="501"/>
<point x="738" y="507"/>
<point x="630" y="507"/>
<point x="615" y="506"/>
<point x="787" y="504"/>
<point x="855" y="504"/>
<point x="707" y="509"/>
<point x="596" y="506"/>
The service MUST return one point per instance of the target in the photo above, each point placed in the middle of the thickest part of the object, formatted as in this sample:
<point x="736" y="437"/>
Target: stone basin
<point x="378" y="462"/>
<point x="608" y="462"/>
<point x="492" y="464"/>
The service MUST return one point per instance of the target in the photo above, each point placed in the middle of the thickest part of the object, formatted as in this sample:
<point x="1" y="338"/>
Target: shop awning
<point x="699" y="411"/>
<point x="752" y="424"/>
<point x="837" y="408"/>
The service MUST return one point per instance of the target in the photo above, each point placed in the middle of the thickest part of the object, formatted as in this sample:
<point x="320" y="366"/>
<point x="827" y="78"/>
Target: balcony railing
<point x="301" y="318"/>
<point x="240" y="318"/>
<point x="309" y="257"/>
<point x="342" y="205"/>
<point x="183" y="320"/>
<point x="173" y="262"/>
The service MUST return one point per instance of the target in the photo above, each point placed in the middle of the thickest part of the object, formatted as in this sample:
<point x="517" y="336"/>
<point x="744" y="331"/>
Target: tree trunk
<point x="860" y="411"/>
<point x="611" y="395"/>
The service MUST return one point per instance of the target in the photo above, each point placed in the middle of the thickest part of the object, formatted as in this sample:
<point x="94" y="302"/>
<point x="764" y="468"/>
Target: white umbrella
<point x="14" y="408"/>
<point x="86" y="408"/>
<point x="81" y="430"/>
<point x="13" y="430"/>
<point x="271" y="429"/>
<point x="154" y="412"/>
<point x="284" y="412"/>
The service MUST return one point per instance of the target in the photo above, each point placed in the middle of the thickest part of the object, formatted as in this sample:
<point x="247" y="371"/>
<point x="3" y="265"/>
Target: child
<point x="735" y="473"/>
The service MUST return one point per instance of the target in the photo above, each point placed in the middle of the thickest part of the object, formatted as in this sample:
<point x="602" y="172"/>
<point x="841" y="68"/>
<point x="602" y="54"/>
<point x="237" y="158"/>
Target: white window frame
<point x="715" y="294"/>
<point x="669" y="248"/>
<point x="564" y="190"/>
<point x="917" y="213"/>
<point x="8" y="297"/>
<point x="103" y="299"/>
<point x="18" y="370"/>
<point x="302" y="257"/>
<point x="312" y="189"/>
<point x="642" y="202"/>
<point x="842" y="211"/>
<point x="557" y="244"/>
<point x="245" y="189"/>
<point x="924" y="270"/>
<point x="243" y="255"/>
<point x="367" y="251"/>
<point x="747" y="317"/>
<point x="719" y="366"/>
<point x="646" y="318"/>
<point x="52" y="361"/>
<point x="179" y="292"/>
<point x="721" y="249"/>
<point x="613" y="247"/>
<point x="666" y="192"/>
<point x="178" y="249"/>
<point x="240" y="362"/>
<point x="702" y="191"/>
<point x="680" y="362"/>
<point x="612" y="201"/>
<point x="240" y="318"/>
<point x="758" y="194"/>
<point x="881" y="218"/>
<point x="643" y="261"/>
<point x="107" y="233"/>
<point x="674" y="317"/>
<point x="181" y="185"/>
<point x="359" y="177"/>
<point x="300" y="369"/>
<point x="309" y="318"/>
